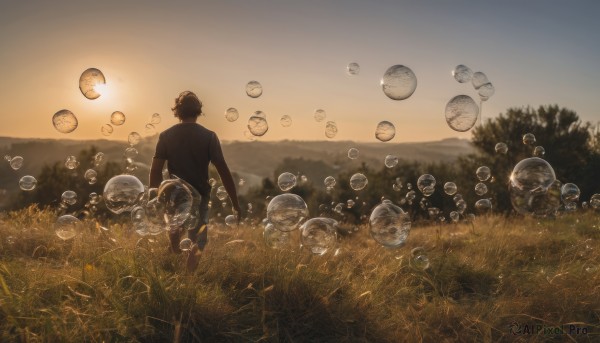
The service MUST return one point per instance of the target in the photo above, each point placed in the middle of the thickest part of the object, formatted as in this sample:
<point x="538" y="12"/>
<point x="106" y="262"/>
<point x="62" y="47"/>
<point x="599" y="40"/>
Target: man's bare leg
<point x="174" y="239"/>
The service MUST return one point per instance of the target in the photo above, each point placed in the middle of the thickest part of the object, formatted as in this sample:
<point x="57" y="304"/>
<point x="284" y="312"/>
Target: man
<point x="188" y="148"/>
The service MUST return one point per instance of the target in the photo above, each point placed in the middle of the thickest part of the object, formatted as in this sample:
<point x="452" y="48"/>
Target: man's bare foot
<point x="193" y="259"/>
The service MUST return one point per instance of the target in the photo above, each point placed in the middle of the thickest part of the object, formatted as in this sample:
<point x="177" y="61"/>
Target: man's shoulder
<point x="187" y="128"/>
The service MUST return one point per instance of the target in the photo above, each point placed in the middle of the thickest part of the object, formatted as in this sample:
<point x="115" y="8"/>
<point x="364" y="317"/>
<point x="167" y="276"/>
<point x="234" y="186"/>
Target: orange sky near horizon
<point x="149" y="52"/>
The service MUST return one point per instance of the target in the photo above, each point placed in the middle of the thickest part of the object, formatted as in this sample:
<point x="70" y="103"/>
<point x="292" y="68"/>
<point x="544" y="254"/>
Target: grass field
<point x="497" y="279"/>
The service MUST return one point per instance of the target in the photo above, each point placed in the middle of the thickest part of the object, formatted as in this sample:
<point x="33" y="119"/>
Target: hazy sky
<point x="534" y="52"/>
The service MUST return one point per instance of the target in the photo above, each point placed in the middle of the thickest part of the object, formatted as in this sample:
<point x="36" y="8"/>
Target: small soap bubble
<point x="350" y="203"/>
<point x="241" y="183"/>
<point x="331" y="129"/>
<point x="149" y="129"/>
<point x="69" y="198"/>
<point x="528" y="139"/>
<point x="398" y="82"/>
<point x="391" y="161"/>
<point x="106" y="129"/>
<point x="389" y="225"/>
<point x="7" y="158"/>
<point x="155" y="119"/>
<point x="231" y="220"/>
<point x="27" y="183"/>
<point x="461" y="113"/>
<point x="501" y="148"/>
<point x="64" y="121"/>
<point x="254" y="89"/>
<point x="186" y="244"/>
<point x="353" y="153"/>
<point x="94" y="198"/>
<point x="483" y="206"/>
<point x="122" y="192"/>
<point x="539" y="151"/>
<point x="486" y="91"/>
<point x="396" y="187"/>
<point x="16" y="162"/>
<point x="329" y="182"/>
<point x="319" y="235"/>
<point x="71" y="162"/>
<point x="286" y="121"/>
<point x="481" y="189"/>
<point x="231" y="114"/>
<point x="89" y="81"/>
<point x="479" y="79"/>
<point x="286" y="181"/>
<point x="67" y="227"/>
<point x="454" y="216"/>
<point x="221" y="193"/>
<point x="483" y="173"/>
<point x="385" y="131"/>
<point x="99" y="159"/>
<point x="257" y="124"/>
<point x="117" y="118"/>
<point x="130" y="152"/>
<point x="134" y="138"/>
<point x="426" y="181"/>
<point x="286" y="211"/>
<point x="91" y="176"/>
<point x="320" y="115"/>
<point x="353" y="68"/>
<point x="569" y="192"/>
<point x="462" y="73"/>
<point x="212" y="182"/>
<point x="358" y="181"/>
<point x="595" y="201"/>
<point x="450" y="188"/>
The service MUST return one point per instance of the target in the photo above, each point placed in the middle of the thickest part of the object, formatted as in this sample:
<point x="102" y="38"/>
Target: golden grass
<point x="115" y="286"/>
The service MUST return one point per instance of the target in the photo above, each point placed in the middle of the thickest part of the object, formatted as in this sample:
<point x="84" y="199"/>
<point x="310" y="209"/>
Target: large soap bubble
<point x="257" y="124"/>
<point x="389" y="225"/>
<point x="398" y="82"/>
<point x="64" y="121"/>
<point x="461" y="113"/>
<point x="254" y="89"/>
<point x="231" y="114"/>
<point x="27" y="183"/>
<point x="319" y="235"/>
<point x="534" y="188"/>
<point x="122" y="192"/>
<point x="88" y="82"/>
<point x="286" y="211"/>
<point x="331" y="129"/>
<point x="286" y="181"/>
<point x="358" y="181"/>
<point x="117" y="118"/>
<point x="276" y="239"/>
<point x="67" y="227"/>
<point x="385" y="131"/>
<point x="180" y="202"/>
<point x="462" y="73"/>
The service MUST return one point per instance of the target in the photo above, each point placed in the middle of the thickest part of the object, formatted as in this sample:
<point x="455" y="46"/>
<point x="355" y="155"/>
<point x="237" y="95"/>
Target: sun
<point x="103" y="89"/>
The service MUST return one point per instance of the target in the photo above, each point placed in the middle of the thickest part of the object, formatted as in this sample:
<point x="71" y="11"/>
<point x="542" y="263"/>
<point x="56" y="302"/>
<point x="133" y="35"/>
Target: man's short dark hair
<point x="187" y="105"/>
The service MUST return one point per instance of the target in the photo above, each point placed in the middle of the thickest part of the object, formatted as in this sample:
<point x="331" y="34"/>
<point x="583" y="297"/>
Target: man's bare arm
<point x="229" y="184"/>
<point x="156" y="172"/>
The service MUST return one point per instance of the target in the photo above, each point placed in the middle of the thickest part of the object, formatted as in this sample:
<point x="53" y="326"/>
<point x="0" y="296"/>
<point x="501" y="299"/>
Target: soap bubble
<point x="242" y="182"/>
<point x="286" y="181"/>
<point x="528" y="139"/>
<point x="122" y="192"/>
<point x="419" y="258"/>
<point x="350" y="203"/>
<point x="27" y="183"/>
<point x="319" y="235"/>
<point x="454" y="216"/>
<point x="231" y="114"/>
<point x="461" y="206"/>
<point x="462" y="73"/>
<point x="221" y="193"/>
<point x="539" y="151"/>
<point x="88" y="81"/>
<point x="254" y="89"/>
<point x="569" y="193"/>
<point x="595" y="201"/>
<point x="483" y="205"/>
<point x="479" y="79"/>
<point x="353" y="153"/>
<point x="99" y="158"/>
<point x="461" y="113"/>
<point x="143" y="223"/>
<point x="179" y="203"/>
<point x="276" y="239"/>
<point x="286" y="211"/>
<point x="67" y="227"/>
<point x="69" y="198"/>
<point x="64" y="121"/>
<point x="353" y="68"/>
<point x="483" y="173"/>
<point x="7" y="158"/>
<point x="396" y="187"/>
<point x="257" y="124"/>
<point x="71" y="162"/>
<point x="91" y="176"/>
<point x="286" y="121"/>
<point x="450" y="188"/>
<point x="331" y="129"/>
<point x="480" y="189"/>
<point x="389" y="225"/>
<point x="134" y="138"/>
<point x="358" y="181"/>
<point x="329" y="182"/>
<point x="410" y="195"/>
<point x="391" y="161"/>
<point x="16" y="162"/>
<point x="94" y="198"/>
<point x="320" y="115"/>
<point x="130" y="152"/>
<point x="486" y="91"/>
<point x="186" y="244"/>
<point x="426" y="183"/>
<point x="501" y="148"/>
<point x="106" y="129"/>
<point x="155" y="119"/>
<point x="534" y="188"/>
<point x="385" y="131"/>
<point x="231" y="220"/>
<point x="399" y="82"/>
<point x="117" y="118"/>
<point x="212" y="182"/>
<point x="150" y="130"/>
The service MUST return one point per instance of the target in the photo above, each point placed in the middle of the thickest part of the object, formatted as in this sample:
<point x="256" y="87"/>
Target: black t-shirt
<point x="188" y="148"/>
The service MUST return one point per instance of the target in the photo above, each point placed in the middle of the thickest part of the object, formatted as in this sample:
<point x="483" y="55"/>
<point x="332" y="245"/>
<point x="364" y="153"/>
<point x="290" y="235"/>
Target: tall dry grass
<point x="112" y="285"/>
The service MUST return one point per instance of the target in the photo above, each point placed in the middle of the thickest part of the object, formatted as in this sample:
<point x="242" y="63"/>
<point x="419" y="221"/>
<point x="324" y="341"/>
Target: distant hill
<point x="250" y="160"/>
